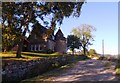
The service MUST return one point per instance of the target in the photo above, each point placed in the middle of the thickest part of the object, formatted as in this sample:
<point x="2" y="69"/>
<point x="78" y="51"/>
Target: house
<point x="40" y="41"/>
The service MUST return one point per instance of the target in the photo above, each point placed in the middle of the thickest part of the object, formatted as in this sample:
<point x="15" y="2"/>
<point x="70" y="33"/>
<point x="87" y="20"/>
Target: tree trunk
<point x="19" y="50"/>
<point x="84" y="50"/>
<point x="20" y="45"/>
<point x="73" y="51"/>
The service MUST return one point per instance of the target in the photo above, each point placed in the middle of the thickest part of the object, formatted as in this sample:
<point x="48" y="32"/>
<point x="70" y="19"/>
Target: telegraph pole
<point x="103" y="47"/>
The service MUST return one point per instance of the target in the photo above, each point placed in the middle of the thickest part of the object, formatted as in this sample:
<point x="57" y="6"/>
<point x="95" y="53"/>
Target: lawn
<point x="33" y="54"/>
<point x="26" y="55"/>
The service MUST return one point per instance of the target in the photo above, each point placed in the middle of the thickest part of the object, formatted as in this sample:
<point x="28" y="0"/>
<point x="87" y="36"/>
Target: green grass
<point x="41" y="54"/>
<point x="26" y="55"/>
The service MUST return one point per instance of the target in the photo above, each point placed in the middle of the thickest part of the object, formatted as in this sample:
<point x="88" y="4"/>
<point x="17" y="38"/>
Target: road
<point x="89" y="70"/>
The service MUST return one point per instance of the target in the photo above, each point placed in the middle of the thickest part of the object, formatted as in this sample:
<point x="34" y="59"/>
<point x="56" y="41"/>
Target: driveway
<point x="89" y="70"/>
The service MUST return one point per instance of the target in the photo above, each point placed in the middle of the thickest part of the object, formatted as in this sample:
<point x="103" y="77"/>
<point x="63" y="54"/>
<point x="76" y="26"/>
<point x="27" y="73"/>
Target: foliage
<point x="49" y="51"/>
<point x="20" y="15"/>
<point x="84" y="32"/>
<point x="118" y="61"/>
<point x="73" y="42"/>
<point x="9" y="38"/>
<point x="92" y="53"/>
<point x="118" y="67"/>
<point x="87" y="52"/>
<point x="118" y="72"/>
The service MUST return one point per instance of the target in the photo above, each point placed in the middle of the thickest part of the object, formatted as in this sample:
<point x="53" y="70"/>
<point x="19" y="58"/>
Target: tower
<point x="60" y="42"/>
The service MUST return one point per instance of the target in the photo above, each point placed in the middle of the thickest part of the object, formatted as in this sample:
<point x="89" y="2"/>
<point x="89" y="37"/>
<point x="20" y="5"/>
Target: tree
<point x="9" y="38"/>
<point x="73" y="42"/>
<point x="84" y="32"/>
<point x="20" y="14"/>
<point x="92" y="52"/>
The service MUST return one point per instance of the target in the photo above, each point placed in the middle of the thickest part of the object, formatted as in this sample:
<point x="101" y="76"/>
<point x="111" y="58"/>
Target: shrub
<point x="49" y="51"/>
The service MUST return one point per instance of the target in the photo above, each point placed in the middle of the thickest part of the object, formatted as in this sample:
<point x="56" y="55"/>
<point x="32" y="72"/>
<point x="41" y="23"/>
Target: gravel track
<point x="89" y="70"/>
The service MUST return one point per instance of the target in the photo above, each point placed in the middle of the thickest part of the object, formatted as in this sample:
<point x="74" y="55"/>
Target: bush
<point x="49" y="51"/>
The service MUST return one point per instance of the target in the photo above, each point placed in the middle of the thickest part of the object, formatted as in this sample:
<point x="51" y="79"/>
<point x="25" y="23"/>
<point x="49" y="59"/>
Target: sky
<point x="104" y="17"/>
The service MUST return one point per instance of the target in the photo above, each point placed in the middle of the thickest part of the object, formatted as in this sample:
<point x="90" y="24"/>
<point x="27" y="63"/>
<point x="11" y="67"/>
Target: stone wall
<point x="19" y="70"/>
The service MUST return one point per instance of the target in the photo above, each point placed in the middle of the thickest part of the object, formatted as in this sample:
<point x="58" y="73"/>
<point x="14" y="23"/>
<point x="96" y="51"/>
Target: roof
<point x="39" y="29"/>
<point x="59" y="35"/>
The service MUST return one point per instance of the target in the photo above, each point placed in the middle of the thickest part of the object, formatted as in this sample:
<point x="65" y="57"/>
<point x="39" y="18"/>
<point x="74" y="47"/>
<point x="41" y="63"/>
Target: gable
<point x="38" y="33"/>
<point x="59" y="35"/>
